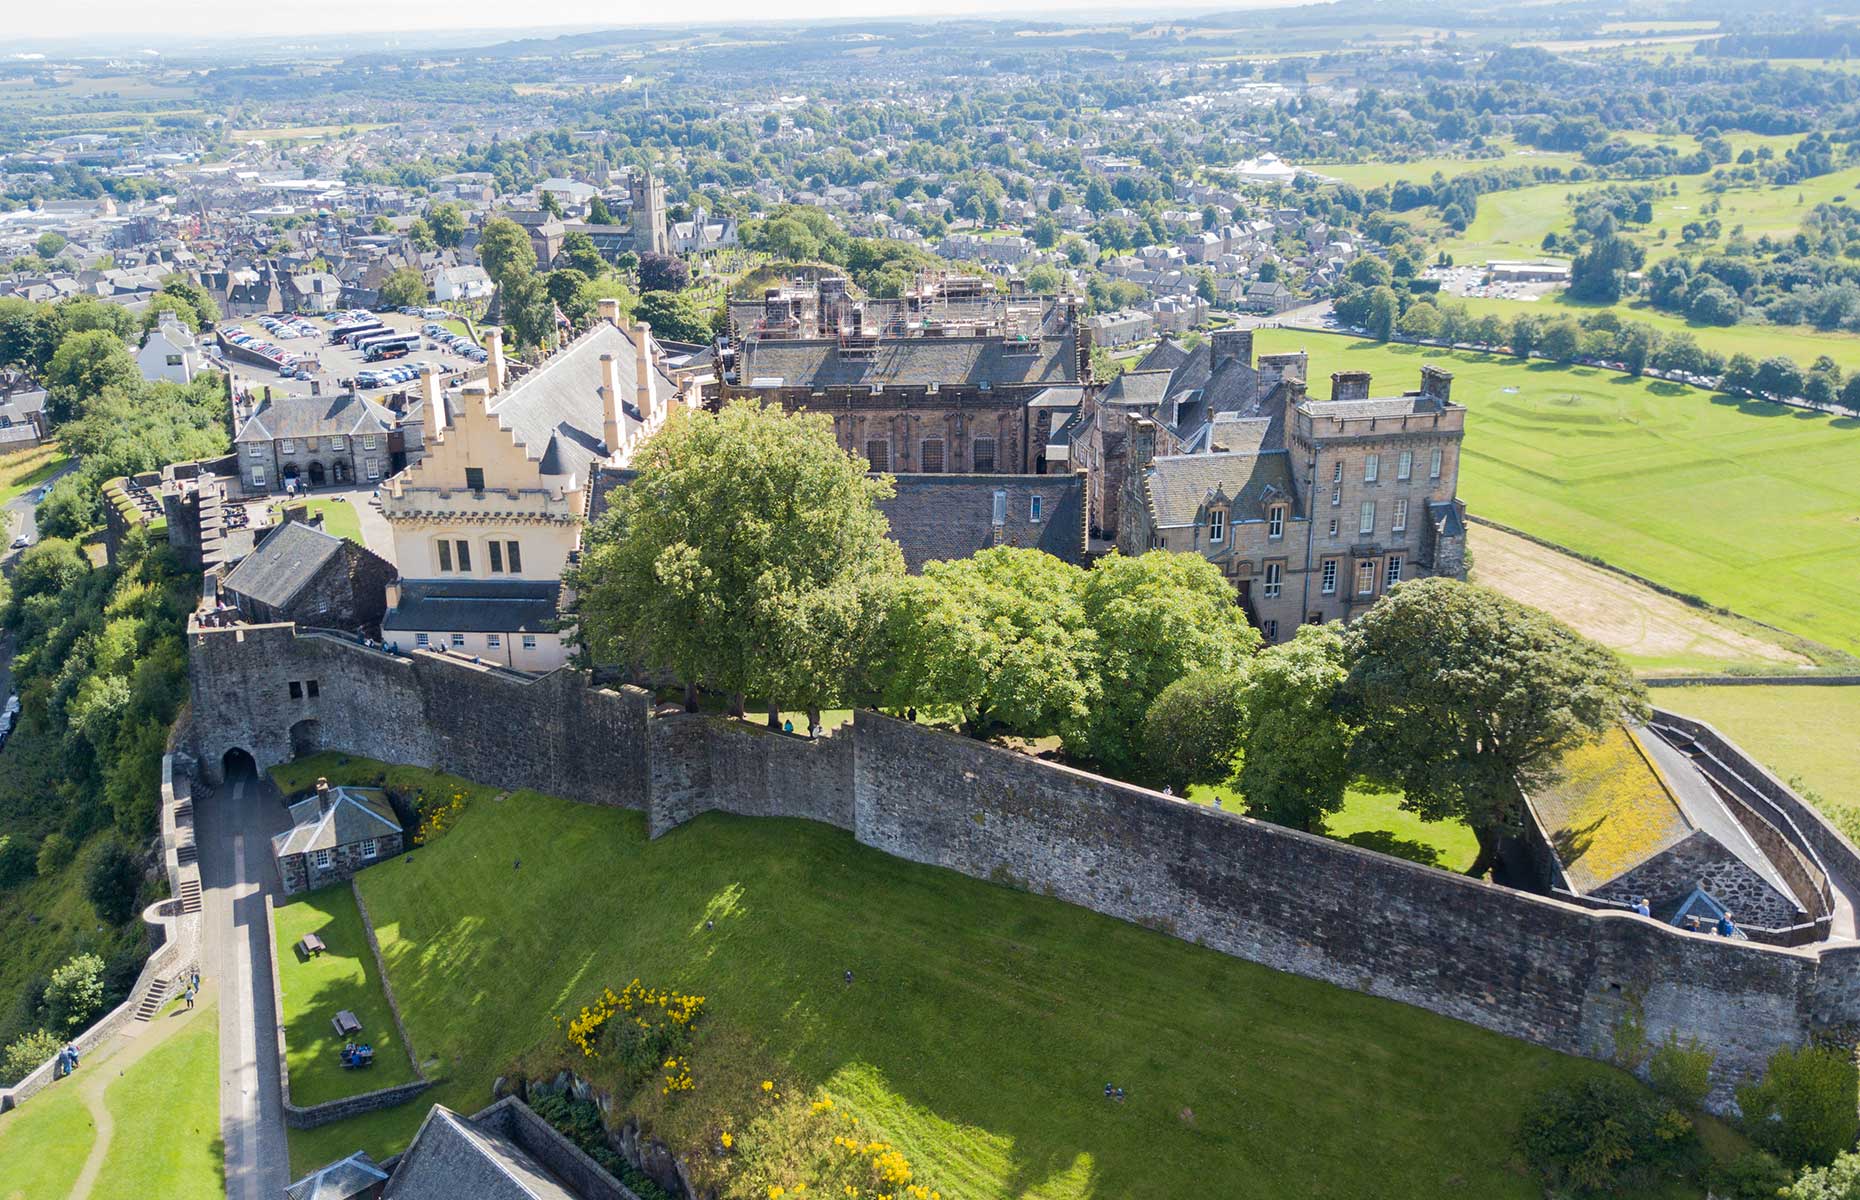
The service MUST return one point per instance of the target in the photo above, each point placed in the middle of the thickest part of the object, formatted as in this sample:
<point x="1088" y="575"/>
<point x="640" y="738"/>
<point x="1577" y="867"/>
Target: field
<point x="977" y="1036"/>
<point x="44" y="1144"/>
<point x="1806" y="735"/>
<point x="317" y="988"/>
<point x="28" y="469"/>
<point x="1375" y="174"/>
<point x="1376" y="821"/>
<point x="1750" y="506"/>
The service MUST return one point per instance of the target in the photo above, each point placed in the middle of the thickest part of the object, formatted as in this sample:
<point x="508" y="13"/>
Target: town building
<point x="170" y="352"/>
<point x="646" y="228"/>
<point x="335" y="832"/>
<point x="939" y="517"/>
<point x="314" y="441"/>
<point x="297" y="572"/>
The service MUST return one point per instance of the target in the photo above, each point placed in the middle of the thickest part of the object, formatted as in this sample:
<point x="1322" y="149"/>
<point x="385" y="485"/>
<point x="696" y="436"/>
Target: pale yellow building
<point x="486" y="522"/>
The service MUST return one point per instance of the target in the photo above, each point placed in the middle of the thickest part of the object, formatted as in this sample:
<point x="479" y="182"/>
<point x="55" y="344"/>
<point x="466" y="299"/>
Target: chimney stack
<point x="642" y="343"/>
<point x="1231" y="344"/>
<point x="494" y="360"/>
<point x="316" y="385"/>
<point x="1437" y="384"/>
<point x="608" y="310"/>
<point x="1275" y="367"/>
<point x="610" y="403"/>
<point x="435" y="405"/>
<point x="1349" y="385"/>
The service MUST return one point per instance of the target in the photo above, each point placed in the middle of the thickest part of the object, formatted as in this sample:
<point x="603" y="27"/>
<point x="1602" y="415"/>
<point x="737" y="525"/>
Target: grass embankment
<point x="166" y="1110"/>
<point x="20" y="473"/>
<point x="1806" y="735"/>
<point x="1746" y="505"/>
<point x="977" y="1036"/>
<point x="316" y="989"/>
<point x="43" y="1145"/>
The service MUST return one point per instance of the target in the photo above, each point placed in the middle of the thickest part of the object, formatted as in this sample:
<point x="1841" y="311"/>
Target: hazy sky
<point x="202" y="18"/>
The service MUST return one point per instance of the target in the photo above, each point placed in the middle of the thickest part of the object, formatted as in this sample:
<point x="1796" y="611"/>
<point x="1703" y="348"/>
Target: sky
<point x="193" y="19"/>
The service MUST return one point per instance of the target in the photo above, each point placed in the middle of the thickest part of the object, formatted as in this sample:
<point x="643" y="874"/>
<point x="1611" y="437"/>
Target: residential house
<point x="335" y="832"/>
<point x="314" y="441"/>
<point x="461" y="283"/>
<point x="170" y="352"/>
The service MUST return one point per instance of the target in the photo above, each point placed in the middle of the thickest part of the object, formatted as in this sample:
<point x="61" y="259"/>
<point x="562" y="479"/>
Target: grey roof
<point x="455" y="1158"/>
<point x="475" y="606"/>
<point x="342" y="1180"/>
<point x="561" y="403"/>
<point x="935" y="517"/>
<point x="912" y="360"/>
<point x="288" y="558"/>
<point x="354" y="815"/>
<point x="1449" y="517"/>
<point x="1703" y="807"/>
<point x="1179" y="485"/>
<point x="1142" y="389"/>
<point x="1385" y="406"/>
<point x="316" y="416"/>
<point x="1059" y="396"/>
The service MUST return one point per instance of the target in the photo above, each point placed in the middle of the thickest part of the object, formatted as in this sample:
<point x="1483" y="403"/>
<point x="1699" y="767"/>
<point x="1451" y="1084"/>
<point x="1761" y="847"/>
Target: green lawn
<point x="979" y="1034"/>
<point x="1375" y="820"/>
<point x="339" y="518"/>
<point x="43" y="1144"/>
<point x="1421" y="170"/>
<point x="316" y="989"/>
<point x="1750" y="506"/>
<point x="166" y="1109"/>
<point x="1806" y="735"/>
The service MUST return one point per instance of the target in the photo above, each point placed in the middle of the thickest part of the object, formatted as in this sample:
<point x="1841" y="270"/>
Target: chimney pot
<point x="494" y="359"/>
<point x="642" y="345"/>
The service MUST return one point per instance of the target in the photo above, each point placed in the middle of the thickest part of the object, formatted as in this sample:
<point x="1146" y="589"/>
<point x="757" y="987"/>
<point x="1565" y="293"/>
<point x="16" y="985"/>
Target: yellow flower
<point x="728" y="1141"/>
<point x="776" y="1192"/>
<point x="768" y="1085"/>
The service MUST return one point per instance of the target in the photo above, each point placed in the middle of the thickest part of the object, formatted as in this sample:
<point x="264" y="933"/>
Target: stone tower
<point x="651" y="231"/>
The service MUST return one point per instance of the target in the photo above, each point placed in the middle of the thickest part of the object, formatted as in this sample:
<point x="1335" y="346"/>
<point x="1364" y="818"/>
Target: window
<point x="494" y="641"/>
<point x="1217" y="526"/>
<point x="1399" y="519"/>
<point x="1336" y="494"/>
<point x="1328" y="578"/>
<point x="513" y="557"/>
<point x="529" y="641"/>
<point x="464" y="549"/>
<point x="497" y="557"/>
<point x="1368" y="522"/>
<point x="322" y="859"/>
<point x="374" y="468"/>
<point x="335" y="443"/>
<point x="422" y="640"/>
<point x="368" y="441"/>
<point x="255" y="451"/>
<point x="474" y="478"/>
<point x="878" y="453"/>
<point x="1394" y="572"/>
<point x="1333" y="527"/>
<point x="458" y="641"/>
<point x="1404" y="466"/>
<point x="287" y="446"/>
<point x="1433" y="467"/>
<point x="1274" y="574"/>
<point x="1275" y="521"/>
<point x="1366" y="577"/>
<point x="1272" y="631"/>
<point x="1033" y="510"/>
<point x="297" y="690"/>
<point x="368" y="849"/>
<point x="930" y="455"/>
<point x="1372" y="466"/>
<point x="1336" y="472"/>
<point x="445" y="555"/>
<point x="310" y="688"/>
<point x="982" y="454"/>
<point x="174" y="360"/>
<point x="258" y="477"/>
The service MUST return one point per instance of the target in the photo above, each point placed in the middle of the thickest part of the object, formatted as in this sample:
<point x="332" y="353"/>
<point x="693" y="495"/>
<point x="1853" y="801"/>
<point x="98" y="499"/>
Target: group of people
<point x="1724" y="926"/>
<point x="1114" y="1093"/>
<point x="358" y="1054"/>
<point x="66" y="1062"/>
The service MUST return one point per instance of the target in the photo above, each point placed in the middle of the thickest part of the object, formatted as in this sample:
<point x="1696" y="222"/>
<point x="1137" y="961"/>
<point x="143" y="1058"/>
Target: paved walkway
<point x="235" y="825"/>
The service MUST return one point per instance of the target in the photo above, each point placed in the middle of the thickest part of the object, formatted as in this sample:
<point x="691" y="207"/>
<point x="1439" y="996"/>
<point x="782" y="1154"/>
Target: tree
<point x="1158" y="616"/>
<point x="196" y="297"/>
<point x="448" y="224"/>
<point x="75" y="994"/>
<point x="599" y="213"/>
<point x="1205" y="286"/>
<point x="1561" y="340"/>
<point x="1524" y="334"/>
<point x="505" y="250"/>
<point x="567" y="288"/>
<point x="27" y="1053"/>
<point x="49" y="245"/>
<point x="1802" y="1110"/>
<point x="404" y="288"/>
<point x="159" y="304"/>
<point x="578" y="252"/>
<point x="1467" y="697"/>
<point x="1369" y="271"/>
<point x="527" y="310"/>
<point x="1839" y="1180"/>
<point x="1000" y="638"/>
<point x="1603" y="1136"/>
<point x="1381" y="307"/>
<point x="674" y="316"/>
<point x="1043" y="280"/>
<point x="1295" y="762"/>
<point x="18" y="860"/>
<point x="111" y="881"/>
<point x="85" y="364"/>
<point x="1192" y="731"/>
<point x="732" y="519"/>
<point x="1779" y="376"/>
<point x="1635" y="346"/>
<point x="382" y="224"/>
<point x="663" y="273"/>
<point x="420" y="233"/>
<point x="551" y="204"/>
<point x="1422" y="320"/>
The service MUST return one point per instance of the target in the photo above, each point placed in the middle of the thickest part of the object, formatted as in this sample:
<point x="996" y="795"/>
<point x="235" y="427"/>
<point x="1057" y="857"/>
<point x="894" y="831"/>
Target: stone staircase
<point x="152" y="1000"/>
<point x="190" y="895"/>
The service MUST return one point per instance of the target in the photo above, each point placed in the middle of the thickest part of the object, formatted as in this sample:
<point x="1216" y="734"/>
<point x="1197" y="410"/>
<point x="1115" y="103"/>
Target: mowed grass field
<point x="1753" y="507"/>
<point x="978" y="1035"/>
<point x="1809" y="736"/>
<point x="317" y="988"/>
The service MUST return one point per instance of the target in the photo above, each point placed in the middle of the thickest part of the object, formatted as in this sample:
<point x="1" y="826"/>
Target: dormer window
<point x="1217" y="526"/>
<point x="1275" y="521"/>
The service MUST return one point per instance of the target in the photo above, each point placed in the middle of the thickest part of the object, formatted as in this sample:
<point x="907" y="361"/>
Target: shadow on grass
<point x="1384" y="842"/>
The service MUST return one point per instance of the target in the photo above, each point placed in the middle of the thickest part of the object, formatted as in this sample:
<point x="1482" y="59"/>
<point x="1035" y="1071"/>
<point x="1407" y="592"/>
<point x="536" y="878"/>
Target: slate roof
<point x="475" y="606"/>
<point x="454" y="1158"/>
<point x="556" y="412"/>
<point x="294" y="417"/>
<point x="936" y="517"/>
<point x="1385" y="406"/>
<point x="354" y="815"/>
<point x="910" y="361"/>
<point x="341" y="1180"/>
<point x="287" y="560"/>
<point x="1179" y="484"/>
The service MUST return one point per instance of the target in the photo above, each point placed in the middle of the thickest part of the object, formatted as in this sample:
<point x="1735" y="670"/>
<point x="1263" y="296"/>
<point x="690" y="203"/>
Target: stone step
<point x="190" y="895"/>
<point x="152" y="1001"/>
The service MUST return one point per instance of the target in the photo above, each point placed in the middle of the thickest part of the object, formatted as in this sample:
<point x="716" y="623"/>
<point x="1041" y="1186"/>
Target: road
<point x="234" y="827"/>
<point x="19" y="510"/>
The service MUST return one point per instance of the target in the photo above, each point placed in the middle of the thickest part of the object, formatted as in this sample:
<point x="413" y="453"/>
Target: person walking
<point x="1642" y="907"/>
<point x="190" y="997"/>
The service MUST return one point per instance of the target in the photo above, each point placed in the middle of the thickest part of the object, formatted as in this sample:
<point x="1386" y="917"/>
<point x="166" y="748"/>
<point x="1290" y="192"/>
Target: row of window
<point x="1404" y="467"/>
<point x="1217" y="524"/>
<point x="371" y="466"/>
<point x="504" y="557"/>
<point x="323" y="858"/>
<point x="1365" y="575"/>
<point x="492" y="641"/>
<point x="300" y="689"/>
<point x="932" y="456"/>
<point x="289" y="445"/>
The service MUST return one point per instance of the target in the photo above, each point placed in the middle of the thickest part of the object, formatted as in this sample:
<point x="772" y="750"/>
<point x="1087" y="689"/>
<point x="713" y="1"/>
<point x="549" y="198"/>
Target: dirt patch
<point x="1627" y="617"/>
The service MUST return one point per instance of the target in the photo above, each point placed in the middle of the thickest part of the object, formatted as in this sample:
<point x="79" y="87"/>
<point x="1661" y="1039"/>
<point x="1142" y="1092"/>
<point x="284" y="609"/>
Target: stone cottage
<point x="334" y="834"/>
<point x="300" y="573"/>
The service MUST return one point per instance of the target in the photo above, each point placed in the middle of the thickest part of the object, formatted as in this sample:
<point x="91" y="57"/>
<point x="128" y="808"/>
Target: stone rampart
<point x="700" y="764"/>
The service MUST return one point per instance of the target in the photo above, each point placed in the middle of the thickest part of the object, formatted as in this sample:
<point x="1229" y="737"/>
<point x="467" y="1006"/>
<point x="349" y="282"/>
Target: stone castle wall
<point x="1527" y="966"/>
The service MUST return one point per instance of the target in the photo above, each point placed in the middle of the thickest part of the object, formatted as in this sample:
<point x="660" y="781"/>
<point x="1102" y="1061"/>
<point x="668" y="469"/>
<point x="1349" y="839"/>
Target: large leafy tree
<point x="1296" y="761"/>
<point x="1192" y="731"/>
<point x="1158" y="616"/>
<point x="448" y="224"/>
<point x="405" y="286"/>
<point x="737" y="555"/>
<point x="1469" y="698"/>
<point x="1000" y="639"/>
<point x="674" y="315"/>
<point x="84" y="365"/>
<point x="505" y="250"/>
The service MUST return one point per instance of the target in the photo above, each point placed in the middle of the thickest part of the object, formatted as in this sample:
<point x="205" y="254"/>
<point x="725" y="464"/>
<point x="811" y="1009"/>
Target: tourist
<point x="190" y="998"/>
<point x="787" y="726"/>
<point x="1642" y="907"/>
<point x="71" y="1057"/>
<point x="1725" y="927"/>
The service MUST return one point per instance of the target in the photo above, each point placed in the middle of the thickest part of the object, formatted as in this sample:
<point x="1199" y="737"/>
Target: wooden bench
<point x="345" y="1023"/>
<point x="311" y="945"/>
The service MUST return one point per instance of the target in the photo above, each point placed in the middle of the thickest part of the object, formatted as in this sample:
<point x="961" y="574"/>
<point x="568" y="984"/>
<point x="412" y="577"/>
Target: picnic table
<point x="312" y="944"/>
<point x="346" y="1024"/>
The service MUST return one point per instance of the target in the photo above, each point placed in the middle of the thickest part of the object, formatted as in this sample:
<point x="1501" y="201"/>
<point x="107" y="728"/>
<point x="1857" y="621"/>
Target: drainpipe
<point x="1304" y="585"/>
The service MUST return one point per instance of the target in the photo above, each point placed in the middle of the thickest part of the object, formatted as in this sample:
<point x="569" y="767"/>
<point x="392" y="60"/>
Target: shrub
<point x="1603" y="1135"/>
<point x="1840" y="1180"/>
<point x="1802" y="1110"/>
<point x="1192" y="730"/>
<point x="75" y="994"/>
<point x="652" y="1033"/>
<point x="55" y="853"/>
<point x="580" y="1122"/>
<point x="112" y="881"/>
<point x="1752" y="1175"/>
<point x="25" y="1054"/>
<point x="1681" y="1071"/>
<point x="18" y="861"/>
<point x="796" y="1148"/>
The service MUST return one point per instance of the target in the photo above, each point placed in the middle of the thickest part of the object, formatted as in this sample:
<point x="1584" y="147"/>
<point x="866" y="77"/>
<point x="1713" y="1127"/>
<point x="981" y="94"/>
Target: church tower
<point x="651" y="231"/>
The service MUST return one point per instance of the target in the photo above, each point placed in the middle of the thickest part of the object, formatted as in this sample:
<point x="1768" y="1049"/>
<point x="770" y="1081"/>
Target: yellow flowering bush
<point x="643" y="1028"/>
<point x="799" y="1147"/>
<point x="437" y="814"/>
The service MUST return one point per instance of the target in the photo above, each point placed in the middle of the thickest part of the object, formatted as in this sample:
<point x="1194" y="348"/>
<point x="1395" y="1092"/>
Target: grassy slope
<point x="314" y="991"/>
<point x="1806" y="735"/>
<point x="1747" y="505"/>
<point x="166" y="1108"/>
<point x="43" y="1145"/>
<point x="980" y="1031"/>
